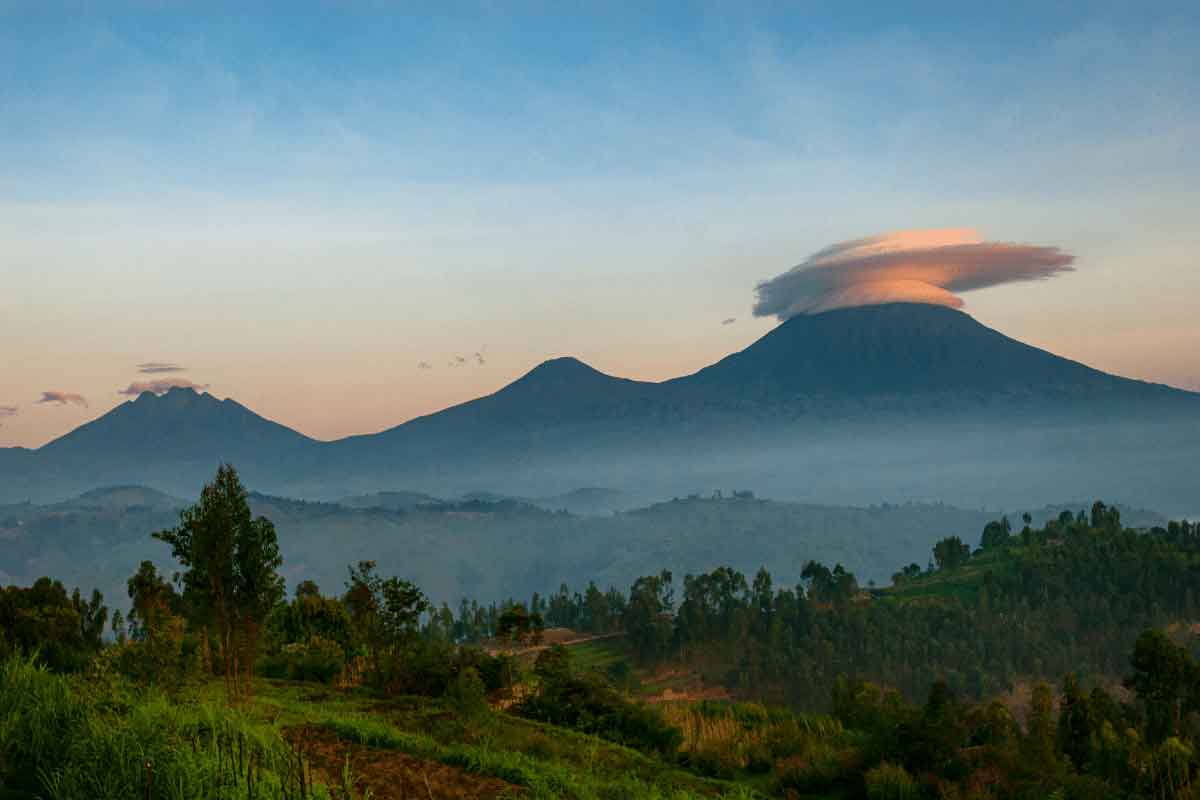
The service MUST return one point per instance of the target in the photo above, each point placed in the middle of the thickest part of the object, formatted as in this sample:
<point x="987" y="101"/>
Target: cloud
<point x="160" y="386"/>
<point x="729" y="320"/>
<point x="424" y="365"/>
<point x="918" y="266"/>
<point x="62" y="398"/>
<point x="479" y="358"/>
<point x="159" y="367"/>
<point x="9" y="411"/>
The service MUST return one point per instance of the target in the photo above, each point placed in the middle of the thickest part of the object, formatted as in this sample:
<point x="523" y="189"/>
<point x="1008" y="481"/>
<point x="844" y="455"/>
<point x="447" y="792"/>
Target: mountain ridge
<point x="857" y="373"/>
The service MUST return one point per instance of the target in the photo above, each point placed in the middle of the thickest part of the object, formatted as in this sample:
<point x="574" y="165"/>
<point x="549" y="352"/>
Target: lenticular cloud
<point x="930" y="266"/>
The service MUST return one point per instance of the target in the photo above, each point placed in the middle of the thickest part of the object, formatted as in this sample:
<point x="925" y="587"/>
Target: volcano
<point x="854" y="373"/>
<point x="913" y="350"/>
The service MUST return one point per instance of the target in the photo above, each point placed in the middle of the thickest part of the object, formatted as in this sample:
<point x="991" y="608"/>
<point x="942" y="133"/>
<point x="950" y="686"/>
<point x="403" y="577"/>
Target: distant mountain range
<point x="853" y="405"/>
<point x="489" y="549"/>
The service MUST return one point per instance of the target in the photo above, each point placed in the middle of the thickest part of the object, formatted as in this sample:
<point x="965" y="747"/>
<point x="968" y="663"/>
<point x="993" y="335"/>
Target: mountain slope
<point x="171" y="442"/>
<point x="180" y="422"/>
<point x="855" y="400"/>
<point x="905" y="349"/>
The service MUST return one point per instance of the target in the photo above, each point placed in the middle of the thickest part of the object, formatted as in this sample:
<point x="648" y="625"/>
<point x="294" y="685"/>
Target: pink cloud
<point x="62" y="398"/>
<point x="924" y="266"/>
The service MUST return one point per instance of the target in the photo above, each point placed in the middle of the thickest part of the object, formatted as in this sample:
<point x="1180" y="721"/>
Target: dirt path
<point x="546" y="645"/>
<point x="390" y="774"/>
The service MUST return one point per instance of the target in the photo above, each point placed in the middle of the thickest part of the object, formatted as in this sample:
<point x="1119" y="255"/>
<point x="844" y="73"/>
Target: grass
<point x="548" y="762"/>
<point x="67" y="737"/>
<point x="962" y="583"/>
<point x="598" y="655"/>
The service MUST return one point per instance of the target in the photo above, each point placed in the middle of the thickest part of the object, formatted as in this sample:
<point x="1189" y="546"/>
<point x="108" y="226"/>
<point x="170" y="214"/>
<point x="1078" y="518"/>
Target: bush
<point x="430" y="668"/>
<point x="467" y="695"/>
<point x="713" y="762"/>
<point x="319" y="660"/>
<point x="588" y="704"/>
<point x="890" y="782"/>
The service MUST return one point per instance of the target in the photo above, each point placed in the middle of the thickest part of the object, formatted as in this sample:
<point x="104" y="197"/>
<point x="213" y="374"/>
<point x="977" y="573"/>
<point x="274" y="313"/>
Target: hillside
<point x="488" y="551"/>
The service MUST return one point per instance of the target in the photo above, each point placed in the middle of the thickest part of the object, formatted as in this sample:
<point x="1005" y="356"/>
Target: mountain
<point x="851" y="406"/>
<point x="490" y="552"/>
<point x="173" y="442"/>
<point x="904" y="354"/>
<point x="180" y="423"/>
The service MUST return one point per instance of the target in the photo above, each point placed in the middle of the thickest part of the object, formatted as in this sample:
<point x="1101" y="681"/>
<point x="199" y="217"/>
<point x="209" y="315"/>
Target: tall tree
<point x="1165" y="679"/>
<point x="230" y="563"/>
<point x="951" y="552"/>
<point x="152" y="599"/>
<point x="647" y="619"/>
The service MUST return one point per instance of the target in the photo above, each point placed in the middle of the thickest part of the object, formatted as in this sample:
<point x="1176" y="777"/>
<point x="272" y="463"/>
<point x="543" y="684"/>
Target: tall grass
<point x="78" y="738"/>
<point x="721" y="739"/>
<point x="65" y="738"/>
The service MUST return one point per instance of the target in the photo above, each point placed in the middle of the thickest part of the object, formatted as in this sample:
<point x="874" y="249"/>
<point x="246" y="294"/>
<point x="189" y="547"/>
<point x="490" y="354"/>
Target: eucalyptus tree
<point x="230" y="575"/>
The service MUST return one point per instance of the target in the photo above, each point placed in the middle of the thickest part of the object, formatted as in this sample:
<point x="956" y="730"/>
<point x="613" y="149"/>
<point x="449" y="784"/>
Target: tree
<point x="385" y="613"/>
<point x="995" y="534"/>
<point x="906" y="574"/>
<point x="230" y="561"/>
<point x="836" y="586"/>
<point x="1105" y="517"/>
<point x="1166" y="681"/>
<point x="951" y="552"/>
<point x="518" y="626"/>
<point x="153" y="600"/>
<point x="1075" y="727"/>
<point x="647" y="619"/>
<point x="64" y="630"/>
<point x="1040" y="739"/>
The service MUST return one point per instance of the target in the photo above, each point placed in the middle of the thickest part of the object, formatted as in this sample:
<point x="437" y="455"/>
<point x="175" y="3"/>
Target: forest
<point x="1053" y="660"/>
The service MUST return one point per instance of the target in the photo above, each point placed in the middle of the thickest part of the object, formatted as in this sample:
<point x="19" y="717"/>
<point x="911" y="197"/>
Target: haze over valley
<point x="658" y="401"/>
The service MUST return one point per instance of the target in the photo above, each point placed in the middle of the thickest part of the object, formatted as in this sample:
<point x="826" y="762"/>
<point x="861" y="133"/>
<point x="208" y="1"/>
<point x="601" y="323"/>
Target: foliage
<point x="384" y="612"/>
<point x="587" y="703"/>
<point x="230" y="577"/>
<point x="67" y="737"/>
<point x="951" y="552"/>
<point x="65" y="630"/>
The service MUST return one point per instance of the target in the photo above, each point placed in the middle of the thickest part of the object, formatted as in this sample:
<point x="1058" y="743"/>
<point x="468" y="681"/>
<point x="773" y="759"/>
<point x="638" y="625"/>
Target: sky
<point x="345" y="215"/>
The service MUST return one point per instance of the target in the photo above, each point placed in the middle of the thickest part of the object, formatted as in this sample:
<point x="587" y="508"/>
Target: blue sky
<point x="303" y="203"/>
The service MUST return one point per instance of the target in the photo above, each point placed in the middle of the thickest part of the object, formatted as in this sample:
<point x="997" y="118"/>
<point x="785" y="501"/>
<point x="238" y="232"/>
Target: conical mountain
<point x="171" y="441"/>
<point x="181" y="421"/>
<point x="906" y="350"/>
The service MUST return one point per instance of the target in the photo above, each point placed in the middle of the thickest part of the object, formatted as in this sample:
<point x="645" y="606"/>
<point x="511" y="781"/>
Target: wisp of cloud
<point x="919" y="266"/>
<point x="159" y="367"/>
<point x="62" y="398"/>
<point x="160" y="386"/>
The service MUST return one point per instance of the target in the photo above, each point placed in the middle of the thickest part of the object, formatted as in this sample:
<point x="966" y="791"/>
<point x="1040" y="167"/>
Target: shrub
<point x="586" y="703"/>
<point x="467" y="695"/>
<point x="890" y="782"/>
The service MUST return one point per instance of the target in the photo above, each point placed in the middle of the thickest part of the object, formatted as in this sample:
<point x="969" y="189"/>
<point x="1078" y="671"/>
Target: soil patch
<point x="390" y="774"/>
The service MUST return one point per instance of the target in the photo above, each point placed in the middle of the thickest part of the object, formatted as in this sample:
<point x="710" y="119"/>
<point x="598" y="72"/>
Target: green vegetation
<point x="217" y="686"/>
<point x="486" y="551"/>
<point x="1071" y="596"/>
